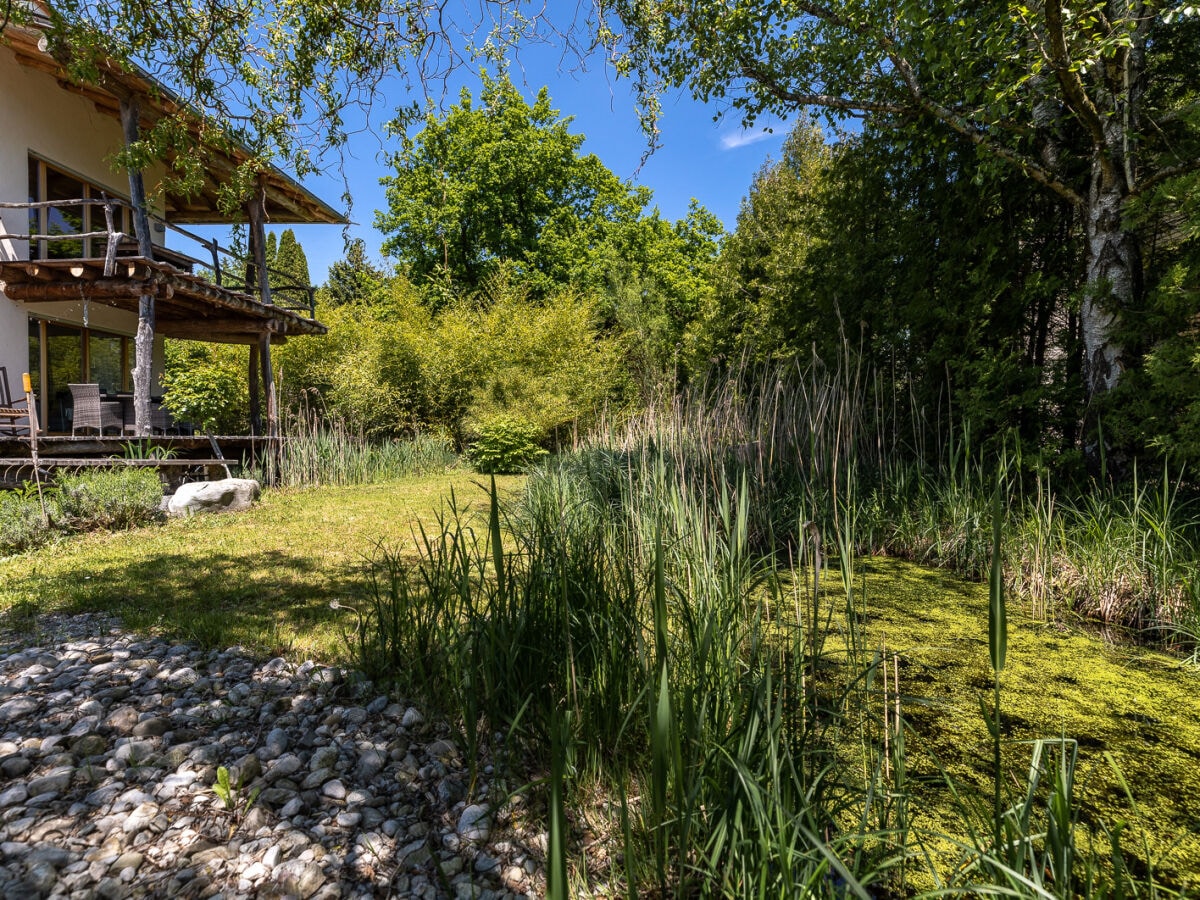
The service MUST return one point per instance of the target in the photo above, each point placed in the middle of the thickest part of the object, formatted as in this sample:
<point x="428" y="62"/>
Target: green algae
<point x="1130" y="709"/>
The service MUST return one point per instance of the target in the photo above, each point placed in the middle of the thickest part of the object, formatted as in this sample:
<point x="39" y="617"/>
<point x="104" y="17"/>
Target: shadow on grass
<point x="270" y="602"/>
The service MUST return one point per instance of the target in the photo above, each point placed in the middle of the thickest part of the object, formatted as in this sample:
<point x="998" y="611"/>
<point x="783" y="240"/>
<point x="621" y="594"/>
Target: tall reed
<point x="316" y="450"/>
<point x="672" y="617"/>
<point x="838" y="447"/>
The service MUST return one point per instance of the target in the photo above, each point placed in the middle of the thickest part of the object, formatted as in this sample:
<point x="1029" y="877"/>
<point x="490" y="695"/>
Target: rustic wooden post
<point x="255" y="402"/>
<point x="259" y="245"/>
<point x="144" y="342"/>
<point x="256" y="424"/>
<point x="216" y="255"/>
<point x="268" y="380"/>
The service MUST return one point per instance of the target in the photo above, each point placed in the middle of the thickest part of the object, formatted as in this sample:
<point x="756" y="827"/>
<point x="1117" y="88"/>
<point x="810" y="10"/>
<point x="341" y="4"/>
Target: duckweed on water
<point x="1132" y="707"/>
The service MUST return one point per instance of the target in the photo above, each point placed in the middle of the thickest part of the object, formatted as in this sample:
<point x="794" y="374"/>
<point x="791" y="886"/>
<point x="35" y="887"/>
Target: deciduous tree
<point x="1055" y="89"/>
<point x="289" y="80"/>
<point x="499" y="180"/>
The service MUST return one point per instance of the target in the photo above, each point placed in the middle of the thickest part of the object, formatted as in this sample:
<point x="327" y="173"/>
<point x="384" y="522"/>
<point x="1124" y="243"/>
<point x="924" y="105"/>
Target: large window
<point x="61" y="354"/>
<point x="107" y="361"/>
<point x="49" y="184"/>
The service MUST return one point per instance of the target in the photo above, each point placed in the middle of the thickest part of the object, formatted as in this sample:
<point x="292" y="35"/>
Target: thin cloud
<point x="744" y="138"/>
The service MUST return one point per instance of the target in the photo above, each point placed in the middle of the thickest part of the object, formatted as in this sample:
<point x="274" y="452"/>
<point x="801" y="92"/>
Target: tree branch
<point x="1073" y="89"/>
<point x="755" y="71"/>
<point x="1185" y="168"/>
<point x="944" y="114"/>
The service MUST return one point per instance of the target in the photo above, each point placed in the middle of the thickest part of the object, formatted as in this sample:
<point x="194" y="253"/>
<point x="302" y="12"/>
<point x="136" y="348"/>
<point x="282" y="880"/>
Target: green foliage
<point x="505" y="446"/>
<point x="763" y="303"/>
<point x="290" y="260"/>
<point x="1156" y="408"/>
<point x="1005" y="87"/>
<point x="289" y="81"/>
<point x="499" y="189"/>
<point x="620" y="630"/>
<point x="99" y="499"/>
<point x="22" y="526"/>
<point x="392" y="367"/>
<point x="323" y="451"/>
<point x="955" y="283"/>
<point x="544" y="363"/>
<point x="653" y="278"/>
<point x="352" y="279"/>
<point x="109" y="499"/>
<point x="207" y="385"/>
<point x="234" y="794"/>
<point x="366" y="373"/>
<point x="288" y="269"/>
<point x="501" y="180"/>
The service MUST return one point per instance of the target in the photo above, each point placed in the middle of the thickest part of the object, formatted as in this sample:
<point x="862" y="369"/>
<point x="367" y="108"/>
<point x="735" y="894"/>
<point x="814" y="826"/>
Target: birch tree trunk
<point x="1114" y="259"/>
<point x="1113" y="285"/>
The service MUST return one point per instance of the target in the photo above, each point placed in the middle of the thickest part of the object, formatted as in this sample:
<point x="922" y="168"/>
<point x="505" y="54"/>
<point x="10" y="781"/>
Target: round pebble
<point x="110" y="745"/>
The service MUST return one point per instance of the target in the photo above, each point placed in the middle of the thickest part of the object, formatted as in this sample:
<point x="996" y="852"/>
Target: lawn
<point x="262" y="579"/>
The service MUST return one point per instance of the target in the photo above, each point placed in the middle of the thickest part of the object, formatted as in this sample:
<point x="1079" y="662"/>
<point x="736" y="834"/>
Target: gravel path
<point x="110" y="744"/>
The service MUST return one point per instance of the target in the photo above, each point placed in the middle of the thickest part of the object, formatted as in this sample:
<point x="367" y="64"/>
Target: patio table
<point x="129" y="415"/>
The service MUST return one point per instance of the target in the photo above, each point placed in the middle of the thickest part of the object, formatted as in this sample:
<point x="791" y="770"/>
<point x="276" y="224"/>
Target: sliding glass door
<point x="61" y="354"/>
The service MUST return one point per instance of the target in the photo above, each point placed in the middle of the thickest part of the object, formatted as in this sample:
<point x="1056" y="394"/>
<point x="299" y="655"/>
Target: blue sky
<point x="711" y="161"/>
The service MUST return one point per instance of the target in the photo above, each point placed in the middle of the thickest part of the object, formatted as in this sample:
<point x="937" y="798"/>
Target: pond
<point x="1131" y="709"/>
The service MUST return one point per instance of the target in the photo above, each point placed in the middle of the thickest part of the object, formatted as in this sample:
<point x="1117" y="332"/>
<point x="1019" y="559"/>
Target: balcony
<point x="195" y="298"/>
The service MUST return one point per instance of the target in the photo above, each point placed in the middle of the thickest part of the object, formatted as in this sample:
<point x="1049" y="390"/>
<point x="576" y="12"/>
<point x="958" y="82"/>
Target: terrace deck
<point x="232" y="447"/>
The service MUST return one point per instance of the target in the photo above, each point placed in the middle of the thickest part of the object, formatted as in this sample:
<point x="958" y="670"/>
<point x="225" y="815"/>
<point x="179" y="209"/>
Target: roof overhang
<point x="187" y="306"/>
<point x="286" y="200"/>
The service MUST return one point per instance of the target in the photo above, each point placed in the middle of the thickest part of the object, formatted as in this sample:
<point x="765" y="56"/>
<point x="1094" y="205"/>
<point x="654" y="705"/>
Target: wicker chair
<point x="92" y="412"/>
<point x="12" y="411"/>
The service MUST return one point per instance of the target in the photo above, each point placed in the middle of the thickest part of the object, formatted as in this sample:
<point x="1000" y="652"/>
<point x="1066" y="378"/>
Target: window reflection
<point x="74" y="355"/>
<point x="35" y="368"/>
<point x="64" y="365"/>
<point x="48" y="184"/>
<point x="35" y="355"/>
<point x="35" y="215"/>
<point x="64" y="219"/>
<point x="105" y="362"/>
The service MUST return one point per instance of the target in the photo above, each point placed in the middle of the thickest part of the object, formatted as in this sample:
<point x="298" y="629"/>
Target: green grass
<point x="263" y="579"/>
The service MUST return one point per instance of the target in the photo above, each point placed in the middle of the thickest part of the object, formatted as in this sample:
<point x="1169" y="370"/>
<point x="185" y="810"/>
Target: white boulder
<point x="226" y="495"/>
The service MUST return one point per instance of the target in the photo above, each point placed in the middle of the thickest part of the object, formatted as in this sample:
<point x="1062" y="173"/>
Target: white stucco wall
<point x="39" y="117"/>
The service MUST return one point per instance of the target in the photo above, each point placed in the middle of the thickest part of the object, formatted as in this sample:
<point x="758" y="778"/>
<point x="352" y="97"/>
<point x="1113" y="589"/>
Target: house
<point x="75" y="283"/>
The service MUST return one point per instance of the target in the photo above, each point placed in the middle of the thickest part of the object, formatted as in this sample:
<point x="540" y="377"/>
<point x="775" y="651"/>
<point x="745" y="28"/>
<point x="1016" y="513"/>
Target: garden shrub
<point x="545" y="363"/>
<point x="21" y="524"/>
<point x="112" y="499"/>
<point x="207" y="386"/>
<point x="366" y="373"/>
<point x="505" y="445"/>
<point x="392" y="366"/>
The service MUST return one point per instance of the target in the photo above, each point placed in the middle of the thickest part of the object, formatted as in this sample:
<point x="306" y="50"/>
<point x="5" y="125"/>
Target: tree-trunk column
<point x="144" y="342"/>
<point x="255" y="402"/>
<point x="268" y="378"/>
<point x="258" y="245"/>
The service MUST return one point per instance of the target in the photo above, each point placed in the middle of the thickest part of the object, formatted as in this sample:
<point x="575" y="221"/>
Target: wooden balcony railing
<point x="284" y="293"/>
